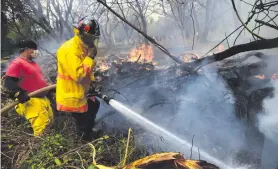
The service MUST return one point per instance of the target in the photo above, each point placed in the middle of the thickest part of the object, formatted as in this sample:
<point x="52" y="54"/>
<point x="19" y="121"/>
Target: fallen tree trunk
<point x="169" y="160"/>
<point x="256" y="45"/>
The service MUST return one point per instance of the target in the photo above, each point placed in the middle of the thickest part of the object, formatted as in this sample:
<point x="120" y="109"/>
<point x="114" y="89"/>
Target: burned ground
<point x="158" y="94"/>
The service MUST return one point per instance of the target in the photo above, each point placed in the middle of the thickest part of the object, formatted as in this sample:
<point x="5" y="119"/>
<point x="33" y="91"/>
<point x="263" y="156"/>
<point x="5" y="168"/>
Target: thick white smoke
<point x="202" y="106"/>
<point x="268" y="125"/>
<point x="268" y="121"/>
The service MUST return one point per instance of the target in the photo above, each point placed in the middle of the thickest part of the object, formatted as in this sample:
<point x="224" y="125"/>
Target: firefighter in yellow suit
<point x="75" y="72"/>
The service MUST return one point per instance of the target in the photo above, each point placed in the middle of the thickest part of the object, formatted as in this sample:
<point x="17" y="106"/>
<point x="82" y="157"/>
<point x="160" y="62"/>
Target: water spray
<point x="152" y="127"/>
<point x="95" y="90"/>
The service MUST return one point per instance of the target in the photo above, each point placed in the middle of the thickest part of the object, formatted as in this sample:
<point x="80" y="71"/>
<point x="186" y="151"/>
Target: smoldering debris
<point x="267" y="121"/>
<point x="208" y="104"/>
<point x="268" y="125"/>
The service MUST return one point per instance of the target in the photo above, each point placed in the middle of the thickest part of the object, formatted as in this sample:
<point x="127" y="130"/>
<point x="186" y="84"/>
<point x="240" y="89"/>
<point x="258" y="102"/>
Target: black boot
<point x="90" y="136"/>
<point x="85" y="121"/>
<point x="87" y="137"/>
<point x="97" y="133"/>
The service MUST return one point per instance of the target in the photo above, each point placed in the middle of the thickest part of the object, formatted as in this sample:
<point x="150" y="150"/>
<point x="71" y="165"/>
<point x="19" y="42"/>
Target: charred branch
<point x="223" y="40"/>
<point x="227" y="41"/>
<point x="244" y="24"/>
<point x="267" y="24"/>
<point x="141" y="32"/>
<point x="256" y="45"/>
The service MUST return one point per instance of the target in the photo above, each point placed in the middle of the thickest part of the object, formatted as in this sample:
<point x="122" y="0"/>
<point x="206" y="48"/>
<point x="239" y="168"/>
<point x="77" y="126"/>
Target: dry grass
<point x="60" y="147"/>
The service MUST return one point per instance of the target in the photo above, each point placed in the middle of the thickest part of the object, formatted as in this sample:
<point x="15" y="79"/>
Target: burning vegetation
<point x="139" y="56"/>
<point x="142" y="54"/>
<point x="272" y="77"/>
<point x="140" y="77"/>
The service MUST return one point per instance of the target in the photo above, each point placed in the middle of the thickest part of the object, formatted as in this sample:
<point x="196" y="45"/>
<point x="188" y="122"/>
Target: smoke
<point x="267" y="122"/>
<point x="199" y="105"/>
<point x="267" y="119"/>
<point x="204" y="112"/>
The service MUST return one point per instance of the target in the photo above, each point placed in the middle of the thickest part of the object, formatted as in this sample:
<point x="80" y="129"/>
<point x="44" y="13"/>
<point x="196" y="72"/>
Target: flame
<point x="260" y="76"/>
<point x="272" y="77"/>
<point x="103" y="66"/>
<point x="144" y="54"/>
<point x="189" y="57"/>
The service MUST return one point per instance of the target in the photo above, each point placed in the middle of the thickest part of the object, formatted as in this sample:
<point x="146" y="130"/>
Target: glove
<point x="92" y="53"/>
<point x="94" y="89"/>
<point x="22" y="96"/>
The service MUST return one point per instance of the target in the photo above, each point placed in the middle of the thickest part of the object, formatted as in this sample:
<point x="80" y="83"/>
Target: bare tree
<point x="110" y="23"/>
<point x="50" y="17"/>
<point x="209" y="8"/>
<point x="140" y="10"/>
<point x="125" y="11"/>
<point x="181" y="11"/>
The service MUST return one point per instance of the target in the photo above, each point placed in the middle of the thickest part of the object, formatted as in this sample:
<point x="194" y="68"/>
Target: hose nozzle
<point x="104" y="97"/>
<point x="95" y="90"/>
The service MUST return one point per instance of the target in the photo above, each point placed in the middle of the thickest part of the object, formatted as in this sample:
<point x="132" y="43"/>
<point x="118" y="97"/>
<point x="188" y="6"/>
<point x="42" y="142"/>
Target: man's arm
<point x="11" y="83"/>
<point x="76" y="68"/>
<point x="12" y="77"/>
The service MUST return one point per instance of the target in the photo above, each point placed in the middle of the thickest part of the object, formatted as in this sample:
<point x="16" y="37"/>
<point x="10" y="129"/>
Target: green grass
<point x="60" y="147"/>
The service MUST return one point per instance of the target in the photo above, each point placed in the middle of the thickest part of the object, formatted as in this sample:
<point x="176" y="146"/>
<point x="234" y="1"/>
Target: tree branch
<point x="267" y="24"/>
<point x="130" y="3"/>
<point x="238" y="36"/>
<point x="234" y="7"/>
<point x="223" y="40"/>
<point x="18" y="32"/>
<point x="142" y="33"/>
<point x="255" y="45"/>
<point x="193" y="24"/>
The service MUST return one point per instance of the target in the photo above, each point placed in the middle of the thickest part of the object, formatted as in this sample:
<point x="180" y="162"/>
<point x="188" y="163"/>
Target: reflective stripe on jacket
<point x="74" y="76"/>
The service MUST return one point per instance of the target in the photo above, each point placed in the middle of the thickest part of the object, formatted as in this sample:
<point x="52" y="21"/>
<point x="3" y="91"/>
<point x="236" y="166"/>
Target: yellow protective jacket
<point x="74" y="76"/>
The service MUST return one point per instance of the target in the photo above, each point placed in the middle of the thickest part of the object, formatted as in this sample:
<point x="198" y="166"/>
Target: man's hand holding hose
<point x="32" y="94"/>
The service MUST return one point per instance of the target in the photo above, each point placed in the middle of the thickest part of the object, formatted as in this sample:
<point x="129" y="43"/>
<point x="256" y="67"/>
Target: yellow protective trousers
<point x="38" y="112"/>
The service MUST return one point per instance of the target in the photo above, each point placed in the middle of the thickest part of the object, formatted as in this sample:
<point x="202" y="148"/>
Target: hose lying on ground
<point x="32" y="94"/>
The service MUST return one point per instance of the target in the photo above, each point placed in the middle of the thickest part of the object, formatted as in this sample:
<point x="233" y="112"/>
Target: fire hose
<point x="32" y="94"/>
<point x="94" y="92"/>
